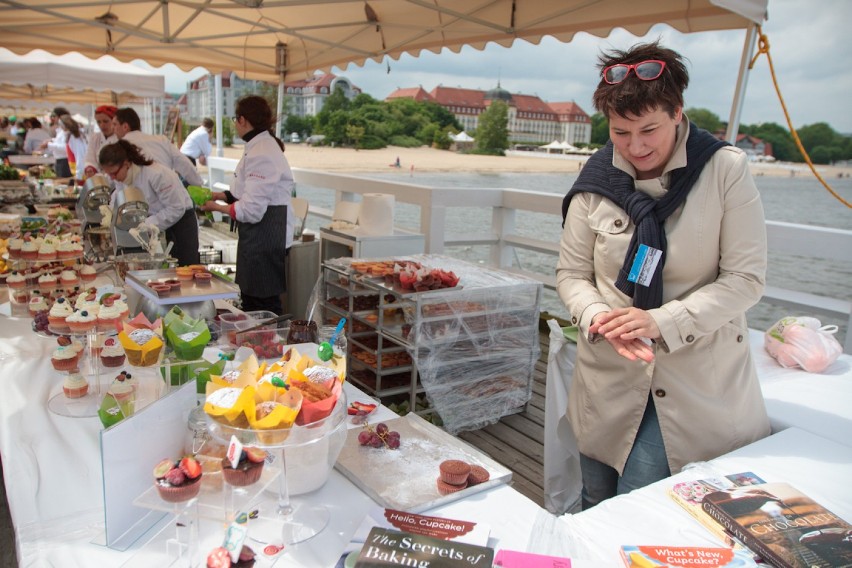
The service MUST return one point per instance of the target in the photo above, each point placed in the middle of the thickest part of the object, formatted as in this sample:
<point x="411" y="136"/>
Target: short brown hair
<point x="207" y="123"/>
<point x="635" y="96"/>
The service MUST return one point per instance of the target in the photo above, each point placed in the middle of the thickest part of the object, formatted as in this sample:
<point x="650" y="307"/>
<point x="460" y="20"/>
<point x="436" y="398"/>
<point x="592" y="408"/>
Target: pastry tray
<point x="406" y="478"/>
<point x="218" y="289"/>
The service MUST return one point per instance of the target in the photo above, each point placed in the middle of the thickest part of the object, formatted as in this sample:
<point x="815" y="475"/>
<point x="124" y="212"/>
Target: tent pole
<point x="217" y="86"/>
<point x="281" y="68"/>
<point x="742" y="82"/>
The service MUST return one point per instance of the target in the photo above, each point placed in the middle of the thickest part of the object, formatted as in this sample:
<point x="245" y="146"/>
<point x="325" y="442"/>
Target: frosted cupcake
<point x="37" y="304"/>
<point x="108" y="315"/>
<point x="81" y="321"/>
<point x="88" y="301"/>
<point x="66" y="250"/>
<point x="17" y="281"/>
<point x="15" y="247"/>
<point x="68" y="279"/>
<point x="64" y="358"/>
<point x="75" y="386"/>
<point x="59" y="312"/>
<point x="46" y="251"/>
<point x="47" y="282"/>
<point x="112" y="353"/>
<point x="88" y="273"/>
<point x="29" y="250"/>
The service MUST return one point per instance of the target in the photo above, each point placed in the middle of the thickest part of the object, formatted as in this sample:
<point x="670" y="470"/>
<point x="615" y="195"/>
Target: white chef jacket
<point x="79" y="147"/>
<point x="34" y="138"/>
<point x="263" y="179"/>
<point x="167" y="199"/>
<point x="162" y="151"/>
<point x="96" y="142"/>
<point x="197" y="144"/>
<point x="57" y="144"/>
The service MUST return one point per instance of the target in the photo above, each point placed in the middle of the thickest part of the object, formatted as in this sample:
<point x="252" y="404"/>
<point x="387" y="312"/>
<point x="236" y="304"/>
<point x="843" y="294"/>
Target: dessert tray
<point x="219" y="288"/>
<point x="405" y="479"/>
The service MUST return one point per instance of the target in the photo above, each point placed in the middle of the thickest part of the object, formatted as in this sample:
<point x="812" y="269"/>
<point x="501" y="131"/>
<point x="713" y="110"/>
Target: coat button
<point x="739" y="339"/>
<point x="618" y="223"/>
<point x="690" y="338"/>
<point x="660" y="393"/>
<point x="574" y="320"/>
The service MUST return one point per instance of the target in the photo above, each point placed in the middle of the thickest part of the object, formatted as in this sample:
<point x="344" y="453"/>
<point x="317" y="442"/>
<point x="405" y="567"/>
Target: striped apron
<point x="261" y="252"/>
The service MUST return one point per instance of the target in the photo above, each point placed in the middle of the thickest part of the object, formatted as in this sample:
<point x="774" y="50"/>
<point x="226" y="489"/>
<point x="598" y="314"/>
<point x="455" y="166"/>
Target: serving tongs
<point x="262" y="324"/>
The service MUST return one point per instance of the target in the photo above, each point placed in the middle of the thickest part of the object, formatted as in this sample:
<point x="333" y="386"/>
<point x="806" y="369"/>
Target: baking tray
<point x="218" y="289"/>
<point x="406" y="479"/>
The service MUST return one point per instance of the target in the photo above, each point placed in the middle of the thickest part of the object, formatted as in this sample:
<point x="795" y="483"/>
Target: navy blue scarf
<point x="648" y="214"/>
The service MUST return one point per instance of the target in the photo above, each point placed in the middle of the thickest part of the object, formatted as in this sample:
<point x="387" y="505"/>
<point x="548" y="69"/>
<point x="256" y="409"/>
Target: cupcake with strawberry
<point x="178" y="481"/>
<point x="246" y="470"/>
<point x="109" y="314"/>
<point x="112" y="353"/>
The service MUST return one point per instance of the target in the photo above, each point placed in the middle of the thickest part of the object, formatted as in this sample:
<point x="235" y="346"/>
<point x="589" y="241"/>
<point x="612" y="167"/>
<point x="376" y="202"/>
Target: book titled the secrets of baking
<point x="385" y="547"/>
<point x="783" y="526"/>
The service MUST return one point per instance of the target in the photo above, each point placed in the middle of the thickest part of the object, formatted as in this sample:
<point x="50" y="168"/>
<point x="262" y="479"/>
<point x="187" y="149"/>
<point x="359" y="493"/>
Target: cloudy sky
<point x="810" y="44"/>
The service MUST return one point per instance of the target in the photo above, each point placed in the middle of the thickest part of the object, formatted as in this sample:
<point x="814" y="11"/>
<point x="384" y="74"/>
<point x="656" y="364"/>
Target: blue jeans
<point x="646" y="464"/>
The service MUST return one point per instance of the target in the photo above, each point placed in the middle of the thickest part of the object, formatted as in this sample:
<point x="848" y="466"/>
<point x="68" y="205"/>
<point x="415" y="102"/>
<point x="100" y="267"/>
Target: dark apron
<point x="184" y="235"/>
<point x="261" y="252"/>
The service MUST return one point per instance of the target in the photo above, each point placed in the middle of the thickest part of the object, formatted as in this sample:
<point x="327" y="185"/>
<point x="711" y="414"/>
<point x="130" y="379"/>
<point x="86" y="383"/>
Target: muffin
<point x="445" y="488"/>
<point x="184" y="273"/>
<point x="75" y="386"/>
<point x="248" y="469"/>
<point x="112" y="353"/>
<point x="478" y="474"/>
<point x="178" y="481"/>
<point x="136" y="357"/>
<point x="455" y="472"/>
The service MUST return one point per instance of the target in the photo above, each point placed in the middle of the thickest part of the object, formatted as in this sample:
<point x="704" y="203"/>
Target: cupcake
<point x="47" y="282"/>
<point x="29" y="250"/>
<point x="68" y="279"/>
<point x="59" y="312"/>
<point x="121" y="389"/>
<point x="478" y="474"/>
<point x="108" y="315"/>
<point x="455" y="472"/>
<point x="37" y="304"/>
<point x="66" y="250"/>
<point x="247" y="470"/>
<point x="178" y="481"/>
<point x="64" y="358"/>
<point x="112" y="353"/>
<point x="81" y="321"/>
<point x="46" y="251"/>
<point x="136" y="357"/>
<point x="17" y="281"/>
<point x="445" y="488"/>
<point x="220" y="557"/>
<point x="88" y="273"/>
<point x="88" y="301"/>
<point x="75" y="386"/>
<point x="15" y="247"/>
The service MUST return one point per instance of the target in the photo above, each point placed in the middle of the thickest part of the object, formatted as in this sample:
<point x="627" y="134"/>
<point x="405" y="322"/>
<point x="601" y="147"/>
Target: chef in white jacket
<point x="127" y="126"/>
<point x="169" y="206"/>
<point x="97" y="140"/>
<point x="260" y="203"/>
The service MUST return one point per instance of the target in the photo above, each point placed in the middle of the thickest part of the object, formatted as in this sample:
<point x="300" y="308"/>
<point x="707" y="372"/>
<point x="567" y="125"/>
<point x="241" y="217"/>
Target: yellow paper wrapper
<point x="246" y="373"/>
<point x="242" y="400"/>
<point x="144" y="355"/>
<point x="275" y="426"/>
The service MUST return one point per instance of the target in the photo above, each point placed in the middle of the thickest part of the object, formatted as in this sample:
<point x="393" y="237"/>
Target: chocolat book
<point x="689" y="494"/>
<point x="785" y="527"/>
<point x="386" y="547"/>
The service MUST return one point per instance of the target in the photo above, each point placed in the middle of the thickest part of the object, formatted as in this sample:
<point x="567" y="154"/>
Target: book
<point x="386" y="547"/>
<point x="783" y="526"/>
<point x="685" y="557"/>
<point x="520" y="559"/>
<point x="689" y="494"/>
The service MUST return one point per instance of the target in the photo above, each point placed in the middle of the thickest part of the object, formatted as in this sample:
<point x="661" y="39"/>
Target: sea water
<point x="796" y="199"/>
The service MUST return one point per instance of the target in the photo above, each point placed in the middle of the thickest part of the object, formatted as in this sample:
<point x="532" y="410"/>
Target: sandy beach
<point x="423" y="159"/>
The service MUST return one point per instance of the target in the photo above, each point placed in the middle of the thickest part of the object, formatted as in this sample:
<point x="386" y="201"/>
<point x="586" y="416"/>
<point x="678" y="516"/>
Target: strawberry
<point x="190" y="466"/>
<point x="255" y="455"/>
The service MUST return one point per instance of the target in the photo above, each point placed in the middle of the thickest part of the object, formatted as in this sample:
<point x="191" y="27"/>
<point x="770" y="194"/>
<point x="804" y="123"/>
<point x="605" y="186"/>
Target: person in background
<point x="169" y="205"/>
<point x="260" y="203"/>
<point x="664" y="375"/>
<point x="97" y="140"/>
<point x="127" y="126"/>
<point x="77" y="145"/>
<point x="197" y="146"/>
<point x="36" y="135"/>
<point x="58" y="144"/>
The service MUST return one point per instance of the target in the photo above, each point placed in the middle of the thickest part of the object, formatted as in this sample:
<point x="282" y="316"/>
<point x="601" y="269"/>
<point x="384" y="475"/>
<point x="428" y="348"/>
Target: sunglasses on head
<point x="644" y="70"/>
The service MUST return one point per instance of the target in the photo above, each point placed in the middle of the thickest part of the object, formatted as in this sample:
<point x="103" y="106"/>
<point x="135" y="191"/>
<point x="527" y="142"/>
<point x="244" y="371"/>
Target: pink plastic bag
<point x="802" y="342"/>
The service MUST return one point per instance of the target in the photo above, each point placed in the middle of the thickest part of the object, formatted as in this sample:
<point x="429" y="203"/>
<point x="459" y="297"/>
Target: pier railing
<point x="505" y="243"/>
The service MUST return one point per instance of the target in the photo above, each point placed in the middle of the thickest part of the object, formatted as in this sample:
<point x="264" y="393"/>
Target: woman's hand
<point x="626" y="330"/>
<point x="213" y="206"/>
<point x="220" y="195"/>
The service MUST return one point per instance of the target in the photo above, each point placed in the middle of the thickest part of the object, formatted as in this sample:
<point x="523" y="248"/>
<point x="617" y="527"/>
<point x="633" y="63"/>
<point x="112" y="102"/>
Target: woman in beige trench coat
<point x="664" y="375"/>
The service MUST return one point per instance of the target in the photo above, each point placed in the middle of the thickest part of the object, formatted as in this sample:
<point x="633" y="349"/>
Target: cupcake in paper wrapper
<point x="188" y="338"/>
<point x="274" y="412"/>
<point x="142" y="341"/>
<point x="175" y="314"/>
<point x="204" y="371"/>
<point x="318" y="399"/>
<point x="246" y="374"/>
<point x="229" y="404"/>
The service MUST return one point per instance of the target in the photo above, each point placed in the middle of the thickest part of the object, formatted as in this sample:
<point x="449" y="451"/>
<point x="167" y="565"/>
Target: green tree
<point x="303" y="125"/>
<point x="783" y="147"/>
<point x="705" y="119"/>
<point x="600" y="129"/>
<point x="355" y="133"/>
<point x="819" y="134"/>
<point x="492" y="135"/>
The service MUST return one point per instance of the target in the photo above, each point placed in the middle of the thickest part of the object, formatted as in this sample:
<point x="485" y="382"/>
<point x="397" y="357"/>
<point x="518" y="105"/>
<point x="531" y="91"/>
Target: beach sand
<point x="423" y="159"/>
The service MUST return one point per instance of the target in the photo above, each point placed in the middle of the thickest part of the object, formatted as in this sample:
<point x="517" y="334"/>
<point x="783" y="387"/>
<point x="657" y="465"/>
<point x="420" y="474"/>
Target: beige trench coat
<point x="703" y="379"/>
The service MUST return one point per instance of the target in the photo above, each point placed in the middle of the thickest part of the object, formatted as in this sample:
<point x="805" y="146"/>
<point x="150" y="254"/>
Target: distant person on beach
<point x="260" y="203"/>
<point x="663" y="250"/>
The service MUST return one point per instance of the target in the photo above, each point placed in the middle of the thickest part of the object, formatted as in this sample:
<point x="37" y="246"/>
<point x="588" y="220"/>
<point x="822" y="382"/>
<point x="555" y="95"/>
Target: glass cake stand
<point x="293" y="520"/>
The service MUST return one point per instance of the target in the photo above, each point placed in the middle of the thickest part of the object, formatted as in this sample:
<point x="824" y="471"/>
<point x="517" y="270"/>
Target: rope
<point x="763" y="48"/>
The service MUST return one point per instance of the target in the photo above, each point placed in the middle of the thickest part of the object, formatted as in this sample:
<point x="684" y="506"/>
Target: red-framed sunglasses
<point x="645" y="70"/>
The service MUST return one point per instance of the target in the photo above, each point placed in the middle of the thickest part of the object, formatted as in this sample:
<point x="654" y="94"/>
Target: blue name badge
<point x="644" y="265"/>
